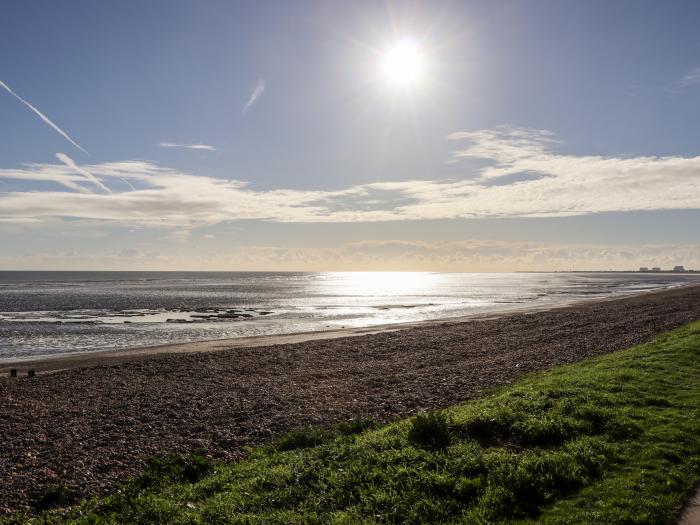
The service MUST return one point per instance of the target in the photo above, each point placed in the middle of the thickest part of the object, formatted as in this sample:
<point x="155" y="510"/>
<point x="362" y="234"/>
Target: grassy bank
<point x="610" y="440"/>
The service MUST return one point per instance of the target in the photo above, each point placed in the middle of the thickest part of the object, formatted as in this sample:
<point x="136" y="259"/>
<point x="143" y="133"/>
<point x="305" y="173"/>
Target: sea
<point x="47" y="313"/>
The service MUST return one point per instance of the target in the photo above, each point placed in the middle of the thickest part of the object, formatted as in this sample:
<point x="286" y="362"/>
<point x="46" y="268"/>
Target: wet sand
<point x="58" y="362"/>
<point x="96" y="417"/>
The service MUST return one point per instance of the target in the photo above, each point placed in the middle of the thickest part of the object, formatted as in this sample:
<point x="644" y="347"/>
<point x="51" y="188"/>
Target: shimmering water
<point x="45" y="313"/>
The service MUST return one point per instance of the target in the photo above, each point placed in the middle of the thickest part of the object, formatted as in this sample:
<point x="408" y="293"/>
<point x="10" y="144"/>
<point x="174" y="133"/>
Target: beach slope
<point x="86" y="427"/>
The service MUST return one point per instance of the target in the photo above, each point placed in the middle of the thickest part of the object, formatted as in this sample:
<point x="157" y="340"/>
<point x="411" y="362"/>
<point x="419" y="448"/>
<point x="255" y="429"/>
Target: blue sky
<point x="542" y="135"/>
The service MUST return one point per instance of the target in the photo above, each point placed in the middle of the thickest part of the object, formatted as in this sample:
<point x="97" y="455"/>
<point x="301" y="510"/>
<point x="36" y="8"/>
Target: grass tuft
<point x="431" y="430"/>
<point x="304" y="438"/>
<point x="173" y="469"/>
<point x="309" y="437"/>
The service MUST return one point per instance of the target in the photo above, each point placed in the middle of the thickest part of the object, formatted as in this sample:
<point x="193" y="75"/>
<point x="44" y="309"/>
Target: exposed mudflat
<point x="87" y="427"/>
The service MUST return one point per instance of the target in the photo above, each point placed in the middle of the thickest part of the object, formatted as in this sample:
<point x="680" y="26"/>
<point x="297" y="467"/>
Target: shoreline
<point x="88" y="428"/>
<point x="56" y="362"/>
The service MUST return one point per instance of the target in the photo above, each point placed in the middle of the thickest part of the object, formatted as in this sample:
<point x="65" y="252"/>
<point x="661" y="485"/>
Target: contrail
<point x="255" y="95"/>
<point x="128" y="183"/>
<point x="186" y="146"/>
<point x="85" y="173"/>
<point x="43" y="117"/>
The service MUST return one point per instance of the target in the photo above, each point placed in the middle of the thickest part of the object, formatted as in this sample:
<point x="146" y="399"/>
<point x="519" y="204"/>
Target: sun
<point x="403" y="63"/>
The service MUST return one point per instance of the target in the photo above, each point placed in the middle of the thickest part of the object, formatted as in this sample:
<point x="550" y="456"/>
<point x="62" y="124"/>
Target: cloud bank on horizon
<point x="475" y="254"/>
<point x="524" y="176"/>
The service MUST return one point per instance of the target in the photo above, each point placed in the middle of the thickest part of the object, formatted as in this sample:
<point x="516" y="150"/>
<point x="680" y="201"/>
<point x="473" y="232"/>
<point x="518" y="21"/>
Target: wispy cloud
<point x="255" y="95"/>
<point x="43" y="117"/>
<point x="524" y="176"/>
<point x="690" y="78"/>
<point x="85" y="173"/>
<point x="186" y="146"/>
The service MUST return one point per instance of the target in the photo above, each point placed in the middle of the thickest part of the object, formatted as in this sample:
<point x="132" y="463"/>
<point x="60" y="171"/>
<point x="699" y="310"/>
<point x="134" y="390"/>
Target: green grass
<point x="609" y="440"/>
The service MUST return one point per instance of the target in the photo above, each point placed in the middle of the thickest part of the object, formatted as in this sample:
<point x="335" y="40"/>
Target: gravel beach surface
<point x="87" y="427"/>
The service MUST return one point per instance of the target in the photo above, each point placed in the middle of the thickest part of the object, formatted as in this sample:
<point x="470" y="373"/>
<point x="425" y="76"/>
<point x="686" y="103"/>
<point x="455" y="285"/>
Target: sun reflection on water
<point x="382" y="283"/>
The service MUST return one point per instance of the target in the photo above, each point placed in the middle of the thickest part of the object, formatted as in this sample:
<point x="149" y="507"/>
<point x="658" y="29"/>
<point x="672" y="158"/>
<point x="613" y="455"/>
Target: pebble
<point x="88" y="431"/>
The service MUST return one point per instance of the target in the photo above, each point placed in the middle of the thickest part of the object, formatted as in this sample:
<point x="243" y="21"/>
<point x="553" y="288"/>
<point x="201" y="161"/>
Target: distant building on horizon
<point x="678" y="269"/>
<point x="656" y="269"/>
<point x="643" y="269"/>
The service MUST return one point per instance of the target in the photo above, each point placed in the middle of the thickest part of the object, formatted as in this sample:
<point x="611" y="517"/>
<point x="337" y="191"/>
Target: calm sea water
<point x="44" y="313"/>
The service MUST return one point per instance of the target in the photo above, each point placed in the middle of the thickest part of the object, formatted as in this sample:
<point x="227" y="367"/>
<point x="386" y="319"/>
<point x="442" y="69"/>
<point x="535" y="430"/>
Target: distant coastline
<point x="612" y="271"/>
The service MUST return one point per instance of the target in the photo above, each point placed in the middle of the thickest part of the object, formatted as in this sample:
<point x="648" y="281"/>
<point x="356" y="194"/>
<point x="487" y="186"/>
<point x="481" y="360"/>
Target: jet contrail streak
<point x="85" y="173"/>
<point x="43" y="117"/>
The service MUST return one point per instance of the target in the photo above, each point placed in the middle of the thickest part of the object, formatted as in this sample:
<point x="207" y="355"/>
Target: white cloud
<point x="690" y="78"/>
<point x="255" y="95"/>
<point x="43" y="117"/>
<point x="167" y="197"/>
<point x="462" y="255"/>
<point x="85" y="173"/>
<point x="186" y="146"/>
<point x="524" y="177"/>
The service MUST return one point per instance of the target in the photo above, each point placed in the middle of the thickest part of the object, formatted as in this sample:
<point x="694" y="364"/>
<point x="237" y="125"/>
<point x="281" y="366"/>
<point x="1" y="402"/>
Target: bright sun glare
<point x="403" y="63"/>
